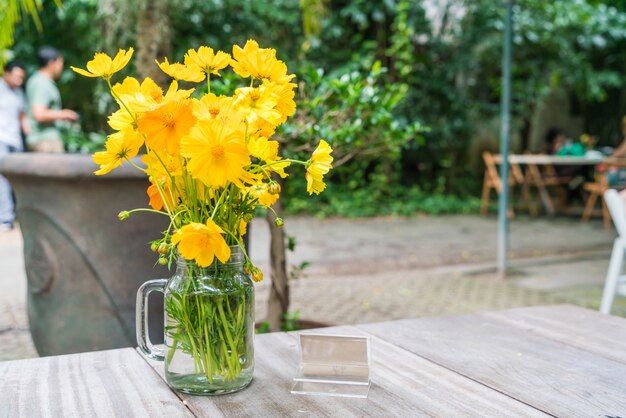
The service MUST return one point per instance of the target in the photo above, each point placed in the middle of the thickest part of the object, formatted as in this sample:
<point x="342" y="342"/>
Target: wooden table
<point x="534" y="177"/>
<point x="541" y="361"/>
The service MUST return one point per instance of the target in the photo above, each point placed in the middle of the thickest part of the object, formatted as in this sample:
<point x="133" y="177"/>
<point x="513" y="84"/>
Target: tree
<point x="11" y="12"/>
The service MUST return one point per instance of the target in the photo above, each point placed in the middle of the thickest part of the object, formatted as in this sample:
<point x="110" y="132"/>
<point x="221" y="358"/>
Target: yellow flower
<point x="210" y="106"/>
<point x="173" y="93"/>
<point x="208" y="61"/>
<point x="180" y="71"/>
<point x="260" y="63"/>
<point x="243" y="228"/>
<point x="202" y="243"/>
<point x="137" y="97"/>
<point x="263" y="149"/>
<point x="166" y="124"/>
<point x="163" y="166"/>
<point x="103" y="66"/>
<point x="131" y="87"/>
<point x="121" y="119"/>
<point x="285" y="94"/>
<point x="257" y="103"/>
<point x="120" y="146"/>
<point x="260" y="192"/>
<point x="217" y="154"/>
<point x="267" y="151"/>
<point x="317" y="166"/>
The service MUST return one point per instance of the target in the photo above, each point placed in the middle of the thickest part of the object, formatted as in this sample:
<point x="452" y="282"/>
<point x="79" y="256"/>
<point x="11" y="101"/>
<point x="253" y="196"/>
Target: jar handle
<point x="141" y="318"/>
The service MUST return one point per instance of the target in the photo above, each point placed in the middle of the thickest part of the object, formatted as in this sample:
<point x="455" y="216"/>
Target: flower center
<point x="255" y="95"/>
<point x="214" y="111"/>
<point x="217" y="151"/>
<point x="168" y="120"/>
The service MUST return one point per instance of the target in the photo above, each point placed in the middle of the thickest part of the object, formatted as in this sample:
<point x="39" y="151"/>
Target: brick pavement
<point x="370" y="270"/>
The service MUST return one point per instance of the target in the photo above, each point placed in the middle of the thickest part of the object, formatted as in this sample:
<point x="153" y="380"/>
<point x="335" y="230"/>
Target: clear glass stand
<point x="333" y="365"/>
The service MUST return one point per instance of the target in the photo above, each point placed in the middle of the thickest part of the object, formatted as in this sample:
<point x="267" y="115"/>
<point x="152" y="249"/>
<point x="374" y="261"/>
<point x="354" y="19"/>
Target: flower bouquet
<point x="210" y="163"/>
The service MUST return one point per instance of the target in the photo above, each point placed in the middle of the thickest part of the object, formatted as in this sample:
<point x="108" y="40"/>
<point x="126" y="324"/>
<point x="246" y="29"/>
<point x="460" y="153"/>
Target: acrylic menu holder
<point x="333" y="365"/>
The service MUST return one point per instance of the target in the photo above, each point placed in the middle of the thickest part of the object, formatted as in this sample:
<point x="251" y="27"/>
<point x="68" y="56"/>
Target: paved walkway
<point x="369" y="270"/>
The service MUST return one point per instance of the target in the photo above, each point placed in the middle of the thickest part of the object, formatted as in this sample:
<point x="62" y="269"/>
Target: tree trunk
<point x="153" y="39"/>
<point x="278" y="303"/>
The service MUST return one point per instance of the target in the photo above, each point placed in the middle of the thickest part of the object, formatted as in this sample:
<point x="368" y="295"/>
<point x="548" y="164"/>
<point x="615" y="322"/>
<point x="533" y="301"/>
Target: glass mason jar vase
<point x="209" y="326"/>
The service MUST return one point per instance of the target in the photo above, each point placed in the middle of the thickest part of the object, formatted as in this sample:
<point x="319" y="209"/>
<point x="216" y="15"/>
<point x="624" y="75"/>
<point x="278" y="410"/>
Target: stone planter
<point x="84" y="266"/>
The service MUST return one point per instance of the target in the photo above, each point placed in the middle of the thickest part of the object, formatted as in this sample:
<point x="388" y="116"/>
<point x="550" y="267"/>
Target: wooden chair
<point x="596" y="190"/>
<point x="492" y="181"/>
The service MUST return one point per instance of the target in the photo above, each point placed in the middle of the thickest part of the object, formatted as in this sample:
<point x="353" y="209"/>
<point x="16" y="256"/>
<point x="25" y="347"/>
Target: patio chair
<point x="614" y="276"/>
<point x="492" y="181"/>
<point x="596" y="189"/>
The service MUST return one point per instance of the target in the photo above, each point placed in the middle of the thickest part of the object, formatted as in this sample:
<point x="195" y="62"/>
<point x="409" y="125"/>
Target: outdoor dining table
<point x="540" y="361"/>
<point x="533" y="173"/>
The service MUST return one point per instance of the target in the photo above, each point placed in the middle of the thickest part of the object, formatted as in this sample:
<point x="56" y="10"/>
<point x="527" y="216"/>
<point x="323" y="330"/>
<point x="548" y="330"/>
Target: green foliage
<point x="396" y="200"/>
<point x="373" y="73"/>
<point x="11" y="12"/>
<point x="290" y="322"/>
<point x="356" y="112"/>
<point x="79" y="142"/>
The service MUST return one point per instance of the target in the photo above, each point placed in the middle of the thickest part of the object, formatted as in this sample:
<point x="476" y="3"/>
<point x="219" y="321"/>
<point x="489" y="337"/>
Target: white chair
<point x="614" y="276"/>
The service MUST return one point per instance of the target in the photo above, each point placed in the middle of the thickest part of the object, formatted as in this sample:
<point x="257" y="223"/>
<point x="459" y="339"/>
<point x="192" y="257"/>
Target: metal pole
<point x="505" y="131"/>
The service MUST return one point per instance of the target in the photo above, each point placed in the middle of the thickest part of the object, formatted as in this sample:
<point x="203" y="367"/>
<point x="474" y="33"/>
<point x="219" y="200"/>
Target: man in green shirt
<point x="44" y="104"/>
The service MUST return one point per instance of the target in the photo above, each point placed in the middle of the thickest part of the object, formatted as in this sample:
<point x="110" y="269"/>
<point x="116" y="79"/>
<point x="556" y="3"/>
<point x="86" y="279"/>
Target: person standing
<point x="12" y="123"/>
<point x="44" y="104"/>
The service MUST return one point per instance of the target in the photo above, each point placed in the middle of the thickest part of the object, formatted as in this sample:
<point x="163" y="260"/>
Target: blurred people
<point x="44" y="104"/>
<point x="555" y="140"/>
<point x="620" y="151"/>
<point x="12" y="123"/>
<point x="572" y="175"/>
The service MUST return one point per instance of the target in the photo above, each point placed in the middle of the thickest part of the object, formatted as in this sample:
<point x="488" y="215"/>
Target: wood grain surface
<point x="527" y="362"/>
<point x="588" y="330"/>
<point x="555" y="377"/>
<point x="403" y="385"/>
<point x="113" y="383"/>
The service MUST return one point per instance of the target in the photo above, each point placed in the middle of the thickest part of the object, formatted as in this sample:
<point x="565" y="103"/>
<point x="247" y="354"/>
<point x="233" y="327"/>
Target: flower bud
<point x="273" y="188"/>
<point x="257" y="274"/>
<point x="279" y="222"/>
<point x="253" y="271"/>
<point x="163" y="248"/>
<point x="154" y="247"/>
<point x="123" y="215"/>
<point x="247" y="218"/>
<point x="162" y="260"/>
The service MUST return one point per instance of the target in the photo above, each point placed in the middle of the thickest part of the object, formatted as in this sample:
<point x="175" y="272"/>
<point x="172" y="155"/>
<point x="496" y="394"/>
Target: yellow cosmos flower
<point x="173" y="93"/>
<point x="120" y="146"/>
<point x="180" y="71"/>
<point x="210" y="106"/>
<point x="285" y="94"/>
<point x="260" y="192"/>
<point x="208" y="61"/>
<point x="217" y="154"/>
<point x="163" y="167"/>
<point x="243" y="228"/>
<point x="260" y="63"/>
<point x="121" y="120"/>
<point x="131" y="88"/>
<point x="202" y="243"/>
<point x="257" y="103"/>
<point x="103" y="66"/>
<point x="166" y="124"/>
<point x="267" y="151"/>
<point x="319" y="164"/>
<point x="263" y="149"/>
